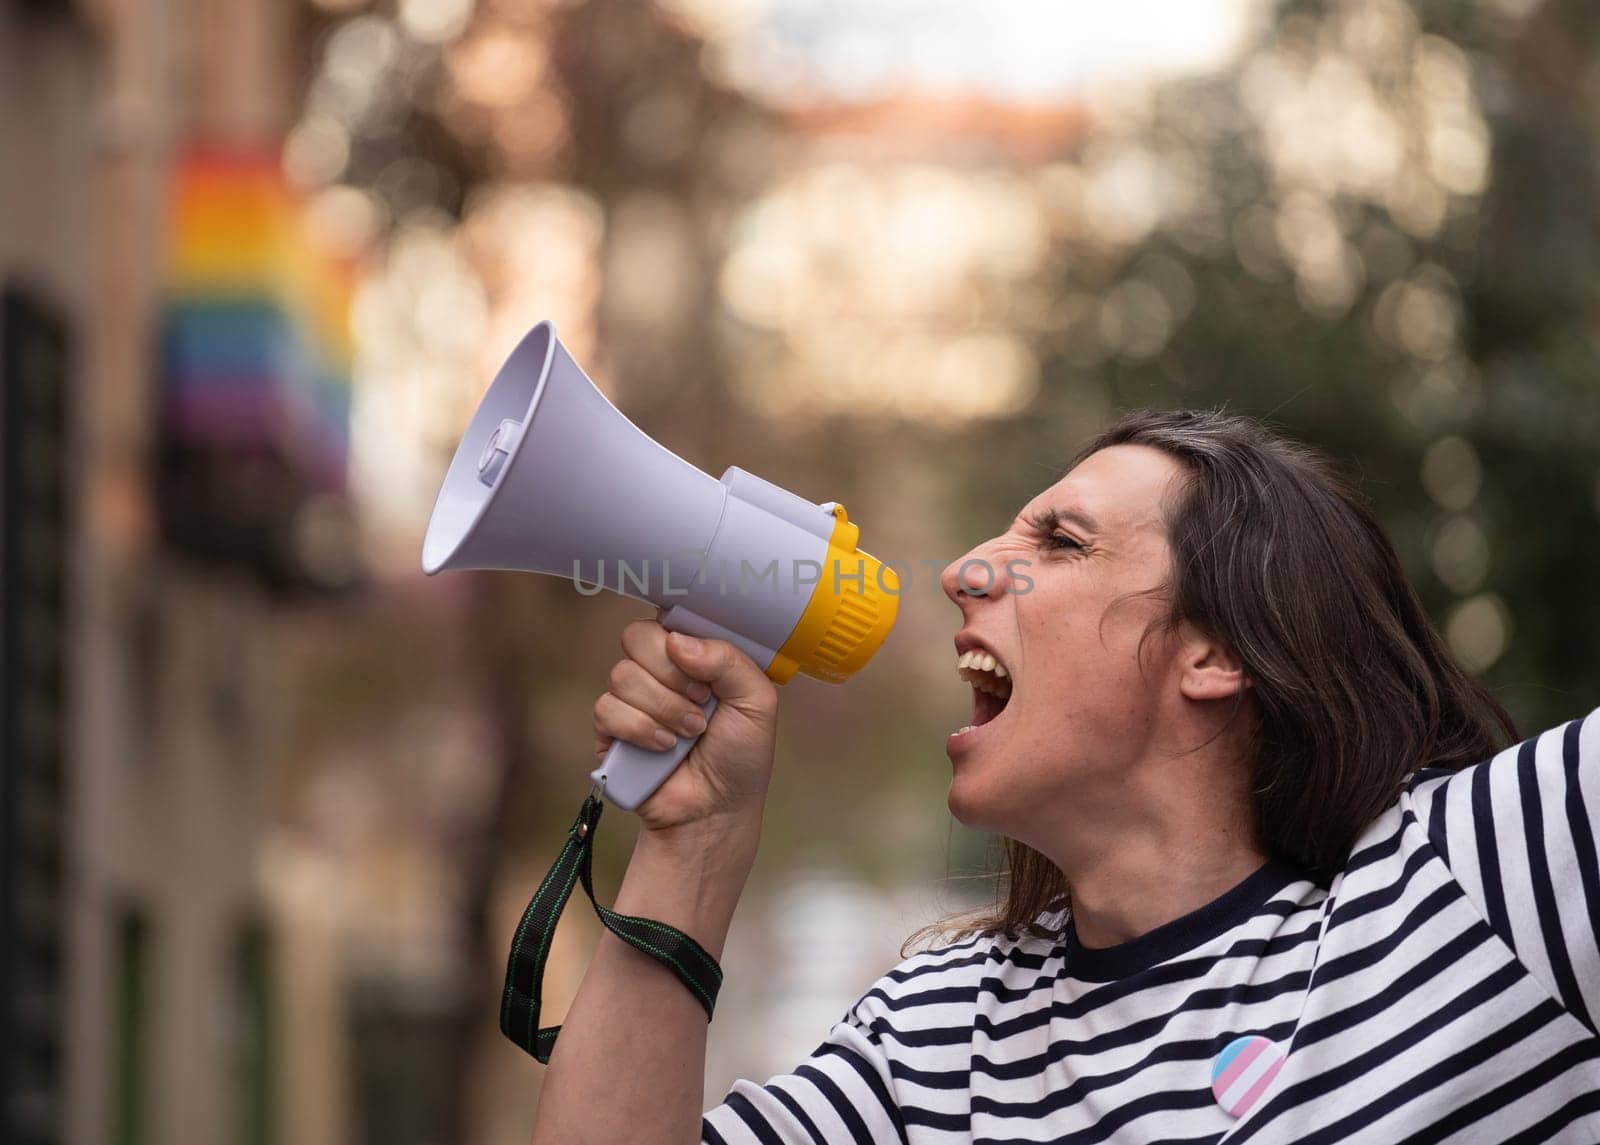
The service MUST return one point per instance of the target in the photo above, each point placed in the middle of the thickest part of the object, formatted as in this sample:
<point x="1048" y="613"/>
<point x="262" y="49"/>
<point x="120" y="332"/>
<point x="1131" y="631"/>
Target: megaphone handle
<point x="631" y="774"/>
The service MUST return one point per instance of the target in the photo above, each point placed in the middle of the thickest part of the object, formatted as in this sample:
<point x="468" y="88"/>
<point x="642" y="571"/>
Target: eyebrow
<point x="1047" y="519"/>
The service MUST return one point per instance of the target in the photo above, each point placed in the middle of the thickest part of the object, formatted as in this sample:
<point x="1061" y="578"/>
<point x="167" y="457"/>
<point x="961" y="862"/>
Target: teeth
<point x="963" y="731"/>
<point x="984" y="672"/>
<point x="982" y="661"/>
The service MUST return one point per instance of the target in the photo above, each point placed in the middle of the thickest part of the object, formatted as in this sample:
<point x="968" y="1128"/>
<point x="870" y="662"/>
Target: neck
<point x="1134" y="893"/>
<point x="1137" y="859"/>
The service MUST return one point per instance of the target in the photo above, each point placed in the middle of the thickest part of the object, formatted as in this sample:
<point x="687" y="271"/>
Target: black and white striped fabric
<point x="1444" y="986"/>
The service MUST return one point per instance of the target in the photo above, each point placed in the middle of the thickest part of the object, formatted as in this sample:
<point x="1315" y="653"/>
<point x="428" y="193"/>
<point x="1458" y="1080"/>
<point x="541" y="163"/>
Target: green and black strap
<point x="519" y="1007"/>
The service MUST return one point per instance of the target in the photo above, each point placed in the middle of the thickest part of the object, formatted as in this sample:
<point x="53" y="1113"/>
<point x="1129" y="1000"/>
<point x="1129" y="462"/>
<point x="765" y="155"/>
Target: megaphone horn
<point x="551" y="478"/>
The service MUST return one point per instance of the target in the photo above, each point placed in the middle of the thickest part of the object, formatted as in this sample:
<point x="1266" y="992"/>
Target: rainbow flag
<point x="255" y="343"/>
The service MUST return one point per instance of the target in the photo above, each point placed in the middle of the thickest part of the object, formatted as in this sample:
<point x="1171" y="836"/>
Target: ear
<point x="1208" y="668"/>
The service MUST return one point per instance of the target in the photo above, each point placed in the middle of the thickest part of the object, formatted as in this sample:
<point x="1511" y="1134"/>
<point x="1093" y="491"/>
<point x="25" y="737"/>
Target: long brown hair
<point x="1353" y="689"/>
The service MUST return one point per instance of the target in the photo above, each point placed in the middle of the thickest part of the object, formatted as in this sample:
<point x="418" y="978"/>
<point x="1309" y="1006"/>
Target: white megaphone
<point x="551" y="478"/>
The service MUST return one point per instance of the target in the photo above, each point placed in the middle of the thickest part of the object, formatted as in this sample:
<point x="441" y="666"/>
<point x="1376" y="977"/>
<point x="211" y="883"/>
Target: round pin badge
<point x="1243" y="1071"/>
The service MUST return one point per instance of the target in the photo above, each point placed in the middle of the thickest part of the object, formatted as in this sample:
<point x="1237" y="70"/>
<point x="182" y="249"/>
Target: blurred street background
<point x="272" y="800"/>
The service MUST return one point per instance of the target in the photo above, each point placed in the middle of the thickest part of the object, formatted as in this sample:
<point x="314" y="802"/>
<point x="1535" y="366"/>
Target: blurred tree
<point x="607" y="101"/>
<point x="1379" y="230"/>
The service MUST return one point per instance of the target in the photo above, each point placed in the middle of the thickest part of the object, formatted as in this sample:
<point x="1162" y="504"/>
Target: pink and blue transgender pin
<point x="1243" y="1071"/>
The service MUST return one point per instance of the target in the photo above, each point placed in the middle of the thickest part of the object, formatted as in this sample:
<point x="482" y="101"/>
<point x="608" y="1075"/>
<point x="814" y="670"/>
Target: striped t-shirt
<point x="1443" y="986"/>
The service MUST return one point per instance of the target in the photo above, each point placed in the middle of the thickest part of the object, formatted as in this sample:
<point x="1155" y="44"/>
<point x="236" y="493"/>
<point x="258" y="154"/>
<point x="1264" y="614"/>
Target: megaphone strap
<point x="519" y="1006"/>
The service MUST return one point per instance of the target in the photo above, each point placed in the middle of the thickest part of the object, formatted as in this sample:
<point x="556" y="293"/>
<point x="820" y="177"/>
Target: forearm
<point x="630" y="1063"/>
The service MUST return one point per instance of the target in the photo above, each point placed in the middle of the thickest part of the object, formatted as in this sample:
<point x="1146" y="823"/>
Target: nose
<point x="975" y="574"/>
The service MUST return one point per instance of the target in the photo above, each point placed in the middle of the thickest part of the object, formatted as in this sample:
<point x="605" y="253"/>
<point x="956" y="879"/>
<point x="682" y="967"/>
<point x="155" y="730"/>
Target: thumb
<point x="733" y="677"/>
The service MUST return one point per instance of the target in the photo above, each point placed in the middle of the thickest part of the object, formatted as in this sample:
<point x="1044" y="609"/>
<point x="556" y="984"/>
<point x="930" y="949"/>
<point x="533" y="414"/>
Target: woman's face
<point x="1053" y="601"/>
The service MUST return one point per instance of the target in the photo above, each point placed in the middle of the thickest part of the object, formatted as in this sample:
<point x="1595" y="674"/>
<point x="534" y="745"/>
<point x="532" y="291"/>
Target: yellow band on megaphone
<point x="850" y="612"/>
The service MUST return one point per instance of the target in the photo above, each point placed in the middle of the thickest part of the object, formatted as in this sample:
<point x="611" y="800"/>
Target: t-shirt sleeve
<point x="842" y="1092"/>
<point x="1518" y="833"/>
<point x="901" y="1056"/>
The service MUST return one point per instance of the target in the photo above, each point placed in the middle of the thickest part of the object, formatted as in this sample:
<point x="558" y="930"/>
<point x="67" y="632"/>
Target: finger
<point x="646" y="642"/>
<point x="622" y="721"/>
<point x="733" y="676"/>
<point x="631" y="684"/>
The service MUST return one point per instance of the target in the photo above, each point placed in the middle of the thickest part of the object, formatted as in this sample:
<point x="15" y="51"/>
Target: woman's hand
<point x="656" y="689"/>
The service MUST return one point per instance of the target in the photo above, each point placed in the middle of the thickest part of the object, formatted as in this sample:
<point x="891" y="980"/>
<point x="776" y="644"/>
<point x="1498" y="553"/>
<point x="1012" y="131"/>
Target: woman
<point x="1269" y="880"/>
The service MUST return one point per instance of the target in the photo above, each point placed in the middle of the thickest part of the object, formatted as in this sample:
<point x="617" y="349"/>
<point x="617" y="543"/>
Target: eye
<point x="1060" y="541"/>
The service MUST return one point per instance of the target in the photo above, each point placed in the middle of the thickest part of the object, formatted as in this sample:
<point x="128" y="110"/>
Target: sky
<point x="1032" y="51"/>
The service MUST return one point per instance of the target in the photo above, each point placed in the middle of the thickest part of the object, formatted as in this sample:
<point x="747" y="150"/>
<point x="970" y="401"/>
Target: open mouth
<point x="991" y="684"/>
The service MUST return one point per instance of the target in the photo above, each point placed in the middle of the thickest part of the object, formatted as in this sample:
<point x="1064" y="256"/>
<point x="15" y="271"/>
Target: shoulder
<point x="942" y="984"/>
<point x="1517" y="830"/>
<point x="1518" y="834"/>
<point x="1560" y="762"/>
